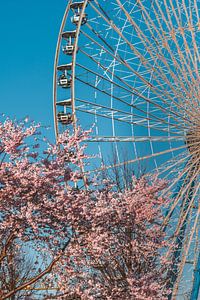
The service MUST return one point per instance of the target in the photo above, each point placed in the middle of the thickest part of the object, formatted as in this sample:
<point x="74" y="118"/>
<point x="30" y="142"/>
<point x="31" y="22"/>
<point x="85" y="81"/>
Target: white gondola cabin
<point x="65" y="118"/>
<point x="69" y="36"/>
<point x="65" y="80"/>
<point x="77" y="8"/>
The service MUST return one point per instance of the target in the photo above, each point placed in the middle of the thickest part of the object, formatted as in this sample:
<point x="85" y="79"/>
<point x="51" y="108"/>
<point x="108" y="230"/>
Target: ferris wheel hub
<point x="193" y="142"/>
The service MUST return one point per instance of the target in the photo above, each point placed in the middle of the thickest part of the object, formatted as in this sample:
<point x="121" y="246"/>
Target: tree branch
<point x="39" y="276"/>
<point x="5" y="247"/>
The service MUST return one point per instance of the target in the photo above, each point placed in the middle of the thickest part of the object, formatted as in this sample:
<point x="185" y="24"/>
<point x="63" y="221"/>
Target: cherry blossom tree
<point x="117" y="248"/>
<point x="90" y="243"/>
<point x="36" y="195"/>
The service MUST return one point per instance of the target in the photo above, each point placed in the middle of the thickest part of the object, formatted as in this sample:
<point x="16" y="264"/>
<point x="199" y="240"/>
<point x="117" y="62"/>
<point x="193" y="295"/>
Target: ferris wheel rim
<point x="58" y="47"/>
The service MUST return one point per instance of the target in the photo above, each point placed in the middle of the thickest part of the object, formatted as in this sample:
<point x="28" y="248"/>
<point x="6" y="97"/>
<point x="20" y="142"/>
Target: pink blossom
<point x="102" y="244"/>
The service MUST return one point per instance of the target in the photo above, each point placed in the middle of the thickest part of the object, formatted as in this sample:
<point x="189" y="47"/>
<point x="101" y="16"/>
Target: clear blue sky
<point x="28" y="32"/>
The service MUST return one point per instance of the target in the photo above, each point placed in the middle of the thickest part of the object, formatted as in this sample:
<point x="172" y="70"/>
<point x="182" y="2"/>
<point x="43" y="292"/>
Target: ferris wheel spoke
<point x="170" y="27"/>
<point x="107" y="115"/>
<point x="146" y="157"/>
<point x="121" y="80"/>
<point x="187" y="172"/>
<point x="193" y="33"/>
<point x="187" y="197"/>
<point x="135" y="139"/>
<point x="129" y="43"/>
<point x="182" y="172"/>
<point x="110" y="113"/>
<point x="151" y="48"/>
<point x="179" y="82"/>
<point x="142" y="96"/>
<point x="93" y="108"/>
<point x="184" y="213"/>
<point x="184" y="243"/>
<point x="124" y="82"/>
<point x="186" y="249"/>
<point x="154" y="103"/>
<point x="162" y="36"/>
<point x="165" y="45"/>
<point x="190" y="28"/>
<point x="162" y="121"/>
<point x="179" y="25"/>
<point x="188" y="212"/>
<point x="137" y="54"/>
<point x="155" y="116"/>
<point x="172" y="164"/>
<point x="96" y="107"/>
<point x="108" y="80"/>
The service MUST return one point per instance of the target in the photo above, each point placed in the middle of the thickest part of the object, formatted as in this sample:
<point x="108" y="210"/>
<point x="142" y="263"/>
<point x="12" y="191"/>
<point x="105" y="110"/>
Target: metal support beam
<point x="196" y="283"/>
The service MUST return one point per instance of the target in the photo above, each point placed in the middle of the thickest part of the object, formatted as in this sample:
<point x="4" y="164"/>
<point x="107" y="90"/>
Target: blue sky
<point x="28" y="31"/>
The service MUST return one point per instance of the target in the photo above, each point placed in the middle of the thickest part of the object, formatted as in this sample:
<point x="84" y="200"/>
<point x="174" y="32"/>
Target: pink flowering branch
<point x="117" y="245"/>
<point x="33" y="196"/>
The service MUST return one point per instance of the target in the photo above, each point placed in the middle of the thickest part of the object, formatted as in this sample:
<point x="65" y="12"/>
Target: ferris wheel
<point x="131" y="69"/>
